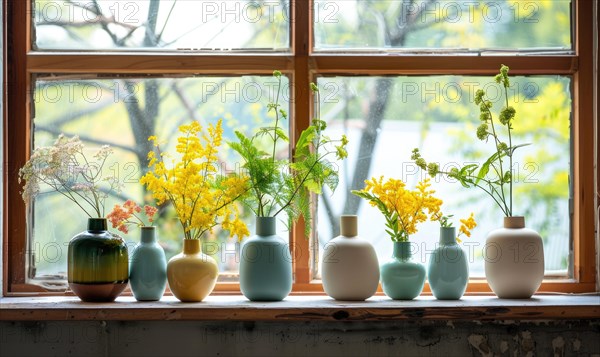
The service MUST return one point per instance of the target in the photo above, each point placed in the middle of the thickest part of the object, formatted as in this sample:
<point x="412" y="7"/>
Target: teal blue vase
<point x="448" y="269"/>
<point x="148" y="268"/>
<point x="402" y="278"/>
<point x="265" y="264"/>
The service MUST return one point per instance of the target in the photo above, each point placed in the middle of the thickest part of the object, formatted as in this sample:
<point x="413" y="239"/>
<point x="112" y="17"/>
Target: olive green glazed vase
<point x="98" y="263"/>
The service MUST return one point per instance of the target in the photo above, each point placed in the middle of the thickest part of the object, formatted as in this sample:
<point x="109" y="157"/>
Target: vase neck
<point x="97" y="224"/>
<point x="191" y="246"/>
<point x="514" y="222"/>
<point x="349" y="225"/>
<point x="148" y="235"/>
<point x="403" y="250"/>
<point x="447" y="235"/>
<point x="265" y="226"/>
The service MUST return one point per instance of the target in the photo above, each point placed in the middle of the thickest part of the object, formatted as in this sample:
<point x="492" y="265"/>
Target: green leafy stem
<point x="278" y="185"/>
<point x="475" y="175"/>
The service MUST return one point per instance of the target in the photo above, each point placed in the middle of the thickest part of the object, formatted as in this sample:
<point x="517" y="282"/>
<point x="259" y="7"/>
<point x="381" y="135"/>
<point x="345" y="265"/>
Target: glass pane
<point x="385" y="118"/>
<point x="161" y="24"/>
<point x="123" y="113"/>
<point x="440" y="24"/>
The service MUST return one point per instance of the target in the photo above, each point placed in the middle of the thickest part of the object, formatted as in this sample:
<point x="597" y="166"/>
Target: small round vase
<point x="98" y="263"/>
<point x="402" y="278"/>
<point x="448" y="273"/>
<point x="265" y="264"/>
<point x="349" y="267"/>
<point x="514" y="260"/>
<point x="192" y="275"/>
<point x="148" y="268"/>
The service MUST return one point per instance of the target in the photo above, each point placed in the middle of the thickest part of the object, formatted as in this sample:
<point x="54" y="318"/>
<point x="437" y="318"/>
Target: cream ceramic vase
<point x="349" y="267"/>
<point x="192" y="275"/>
<point x="514" y="260"/>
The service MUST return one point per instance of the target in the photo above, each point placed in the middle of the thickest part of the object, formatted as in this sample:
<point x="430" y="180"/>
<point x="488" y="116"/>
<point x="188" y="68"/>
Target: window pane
<point x="460" y="25"/>
<point x="123" y="113"/>
<point x="161" y="24"/>
<point x="385" y="118"/>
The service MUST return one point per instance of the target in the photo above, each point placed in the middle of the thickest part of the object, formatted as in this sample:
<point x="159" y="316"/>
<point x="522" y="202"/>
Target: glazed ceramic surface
<point x="349" y="266"/>
<point x="448" y="273"/>
<point x="265" y="264"/>
<point x="402" y="278"/>
<point x="514" y="260"/>
<point x="192" y="275"/>
<point x="98" y="263"/>
<point x="148" y="268"/>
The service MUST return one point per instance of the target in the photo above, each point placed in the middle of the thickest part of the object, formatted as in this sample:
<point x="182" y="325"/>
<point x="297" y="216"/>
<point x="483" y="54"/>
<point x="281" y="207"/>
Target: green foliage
<point x="392" y="226"/>
<point x="277" y="185"/>
<point x="495" y="174"/>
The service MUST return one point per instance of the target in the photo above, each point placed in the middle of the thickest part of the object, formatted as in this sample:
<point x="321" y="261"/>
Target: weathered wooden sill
<point x="299" y="308"/>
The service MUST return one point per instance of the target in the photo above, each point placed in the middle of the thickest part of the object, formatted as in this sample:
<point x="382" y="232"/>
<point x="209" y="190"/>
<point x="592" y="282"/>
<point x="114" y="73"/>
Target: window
<point x="394" y="75"/>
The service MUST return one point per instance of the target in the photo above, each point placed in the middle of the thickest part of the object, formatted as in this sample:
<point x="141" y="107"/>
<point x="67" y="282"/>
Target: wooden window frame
<point x="302" y="65"/>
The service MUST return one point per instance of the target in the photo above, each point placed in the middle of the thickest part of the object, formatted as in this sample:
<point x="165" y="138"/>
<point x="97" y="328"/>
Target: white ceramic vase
<point x="514" y="260"/>
<point x="349" y="266"/>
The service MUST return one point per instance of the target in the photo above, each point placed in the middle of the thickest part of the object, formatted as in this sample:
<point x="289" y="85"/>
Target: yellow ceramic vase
<point x="192" y="275"/>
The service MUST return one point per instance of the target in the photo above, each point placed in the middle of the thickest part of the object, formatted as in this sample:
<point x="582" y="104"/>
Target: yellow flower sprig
<point x="202" y="198"/>
<point x="466" y="224"/>
<point x="403" y="209"/>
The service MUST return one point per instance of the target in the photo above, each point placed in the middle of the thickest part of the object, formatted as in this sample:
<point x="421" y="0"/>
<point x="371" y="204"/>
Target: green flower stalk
<point x="278" y="185"/>
<point x="493" y="177"/>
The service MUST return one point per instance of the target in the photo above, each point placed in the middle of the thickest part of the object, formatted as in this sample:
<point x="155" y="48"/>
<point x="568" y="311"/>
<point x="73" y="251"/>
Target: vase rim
<point x="403" y="242"/>
<point x="97" y="224"/>
<point x="148" y="227"/>
<point x="448" y="228"/>
<point x="266" y="226"/>
<point x="191" y="246"/>
<point x="402" y="250"/>
<point x="349" y="225"/>
<point x="266" y="217"/>
<point x="514" y="222"/>
<point x="448" y="235"/>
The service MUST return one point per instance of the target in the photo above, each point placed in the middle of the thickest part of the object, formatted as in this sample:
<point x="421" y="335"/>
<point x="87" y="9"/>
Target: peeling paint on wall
<point x="558" y="346"/>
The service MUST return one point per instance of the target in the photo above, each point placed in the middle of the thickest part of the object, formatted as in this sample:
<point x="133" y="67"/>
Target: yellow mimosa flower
<point x="403" y="209"/>
<point x="201" y="198"/>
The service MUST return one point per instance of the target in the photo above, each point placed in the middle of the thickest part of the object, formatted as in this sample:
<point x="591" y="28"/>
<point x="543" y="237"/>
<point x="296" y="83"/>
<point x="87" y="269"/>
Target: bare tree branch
<point x="89" y="139"/>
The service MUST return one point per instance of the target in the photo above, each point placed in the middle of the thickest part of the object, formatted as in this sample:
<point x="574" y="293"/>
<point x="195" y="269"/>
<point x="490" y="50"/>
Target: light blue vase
<point x="448" y="269"/>
<point x="265" y="264"/>
<point x="402" y="278"/>
<point x="148" y="268"/>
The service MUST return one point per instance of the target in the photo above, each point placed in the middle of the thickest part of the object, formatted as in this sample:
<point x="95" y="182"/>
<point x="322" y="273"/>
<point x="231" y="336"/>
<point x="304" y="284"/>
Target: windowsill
<point x="303" y="308"/>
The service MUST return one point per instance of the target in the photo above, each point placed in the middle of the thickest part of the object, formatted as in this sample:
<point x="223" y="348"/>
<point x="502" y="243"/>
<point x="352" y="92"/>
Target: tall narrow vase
<point x="448" y="268"/>
<point x="148" y="268"/>
<point x="192" y="275"/>
<point x="402" y="278"/>
<point x="349" y="267"/>
<point x="98" y="263"/>
<point x="265" y="264"/>
<point x="514" y="260"/>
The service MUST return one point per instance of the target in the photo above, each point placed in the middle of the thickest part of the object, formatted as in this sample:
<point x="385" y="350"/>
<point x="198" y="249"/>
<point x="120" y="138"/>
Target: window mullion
<point x="301" y="108"/>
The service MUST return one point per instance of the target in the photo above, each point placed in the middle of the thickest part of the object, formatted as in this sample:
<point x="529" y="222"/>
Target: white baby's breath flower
<point x="64" y="167"/>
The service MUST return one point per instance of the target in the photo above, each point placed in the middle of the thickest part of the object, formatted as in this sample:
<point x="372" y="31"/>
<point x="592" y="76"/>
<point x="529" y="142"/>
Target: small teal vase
<point x="402" y="278"/>
<point x="448" y="269"/>
<point x="148" y="268"/>
<point x="265" y="264"/>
